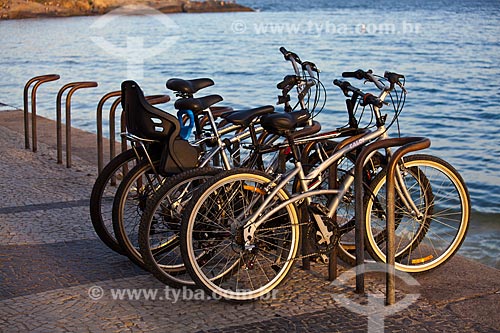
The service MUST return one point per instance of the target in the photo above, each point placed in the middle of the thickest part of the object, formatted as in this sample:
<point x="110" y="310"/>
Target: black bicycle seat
<point x="197" y="104"/>
<point x="284" y="122"/>
<point x="189" y="86"/>
<point x="245" y="117"/>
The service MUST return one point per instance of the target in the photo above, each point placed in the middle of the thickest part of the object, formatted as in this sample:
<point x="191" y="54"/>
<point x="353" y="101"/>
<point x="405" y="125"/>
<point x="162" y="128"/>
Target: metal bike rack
<point x="333" y="263"/>
<point x="100" y="145"/>
<point x="39" y="80"/>
<point x="112" y="140"/>
<point x="73" y="86"/>
<point x="406" y="145"/>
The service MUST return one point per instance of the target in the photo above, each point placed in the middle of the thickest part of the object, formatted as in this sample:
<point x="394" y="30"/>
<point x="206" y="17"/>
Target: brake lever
<point x="402" y="87"/>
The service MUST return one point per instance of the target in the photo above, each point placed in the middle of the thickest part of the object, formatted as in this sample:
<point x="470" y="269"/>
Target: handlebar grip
<point x="290" y="55"/>
<point x="338" y="83"/>
<point x="345" y="86"/>
<point x="342" y="84"/>
<point x="359" y="74"/>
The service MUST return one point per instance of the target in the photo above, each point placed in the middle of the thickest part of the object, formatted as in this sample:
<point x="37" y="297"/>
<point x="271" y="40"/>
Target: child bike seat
<point x="144" y="120"/>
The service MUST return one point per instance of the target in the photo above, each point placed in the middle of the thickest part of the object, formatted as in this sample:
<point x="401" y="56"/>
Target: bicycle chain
<point x="330" y="246"/>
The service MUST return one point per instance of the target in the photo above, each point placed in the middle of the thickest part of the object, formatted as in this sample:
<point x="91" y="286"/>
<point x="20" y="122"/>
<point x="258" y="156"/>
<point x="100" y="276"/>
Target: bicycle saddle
<point x="245" y="117"/>
<point x="284" y="122"/>
<point x="189" y="86"/>
<point x="144" y="120"/>
<point x="197" y="104"/>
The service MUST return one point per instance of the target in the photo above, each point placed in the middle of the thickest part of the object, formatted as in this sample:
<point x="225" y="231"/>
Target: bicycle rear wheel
<point x="430" y="237"/>
<point x="103" y="193"/>
<point x="129" y="204"/>
<point x="212" y="243"/>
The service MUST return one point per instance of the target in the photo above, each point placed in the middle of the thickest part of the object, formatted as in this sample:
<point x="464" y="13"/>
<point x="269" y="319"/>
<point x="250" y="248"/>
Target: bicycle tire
<point x="160" y="227"/>
<point x="238" y="274"/>
<point x="129" y="204"/>
<point x="444" y="222"/>
<point x="101" y="198"/>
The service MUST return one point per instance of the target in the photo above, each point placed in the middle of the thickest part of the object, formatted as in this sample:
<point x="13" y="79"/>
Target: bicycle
<point x="247" y="228"/>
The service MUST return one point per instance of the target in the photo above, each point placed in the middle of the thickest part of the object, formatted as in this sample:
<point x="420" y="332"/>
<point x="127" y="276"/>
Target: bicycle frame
<point x="252" y="224"/>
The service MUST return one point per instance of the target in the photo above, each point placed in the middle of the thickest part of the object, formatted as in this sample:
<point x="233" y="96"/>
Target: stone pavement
<point x="56" y="275"/>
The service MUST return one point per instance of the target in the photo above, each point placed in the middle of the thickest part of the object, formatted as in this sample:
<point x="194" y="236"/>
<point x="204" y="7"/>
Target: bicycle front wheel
<point x="429" y="237"/>
<point x="212" y="243"/>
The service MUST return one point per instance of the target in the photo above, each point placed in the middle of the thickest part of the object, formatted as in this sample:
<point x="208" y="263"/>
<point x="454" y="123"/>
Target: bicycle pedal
<point x="320" y="258"/>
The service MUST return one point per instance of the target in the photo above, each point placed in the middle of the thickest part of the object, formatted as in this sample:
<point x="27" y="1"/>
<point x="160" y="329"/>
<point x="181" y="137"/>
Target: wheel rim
<point x="231" y="271"/>
<point x="424" y="243"/>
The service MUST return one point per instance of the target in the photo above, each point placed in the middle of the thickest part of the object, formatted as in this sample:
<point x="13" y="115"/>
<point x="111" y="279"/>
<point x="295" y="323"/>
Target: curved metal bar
<point x="112" y="135"/>
<point x="158" y="99"/>
<point x="358" y="186"/>
<point x="100" y="145"/>
<point x="39" y="80"/>
<point x="59" y="119"/>
<point x="76" y="86"/>
<point x="412" y="145"/>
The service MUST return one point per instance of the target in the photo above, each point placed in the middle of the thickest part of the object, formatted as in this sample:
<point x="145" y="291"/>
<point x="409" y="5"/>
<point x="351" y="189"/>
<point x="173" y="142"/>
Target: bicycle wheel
<point x="129" y="204"/>
<point x="103" y="192"/>
<point x="212" y="244"/>
<point x="160" y="226"/>
<point x="431" y="236"/>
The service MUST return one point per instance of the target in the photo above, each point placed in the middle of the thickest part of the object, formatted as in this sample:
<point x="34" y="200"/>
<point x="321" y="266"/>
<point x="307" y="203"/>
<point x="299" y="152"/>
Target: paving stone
<point x="27" y="269"/>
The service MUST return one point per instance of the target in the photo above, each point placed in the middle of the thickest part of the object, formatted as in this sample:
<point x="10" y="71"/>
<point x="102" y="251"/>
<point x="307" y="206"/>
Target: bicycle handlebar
<point x="310" y="67"/>
<point x="295" y="59"/>
<point x="368" y="75"/>
<point x="359" y="74"/>
<point x="367" y="97"/>
<point x="289" y="81"/>
<point x="289" y="55"/>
